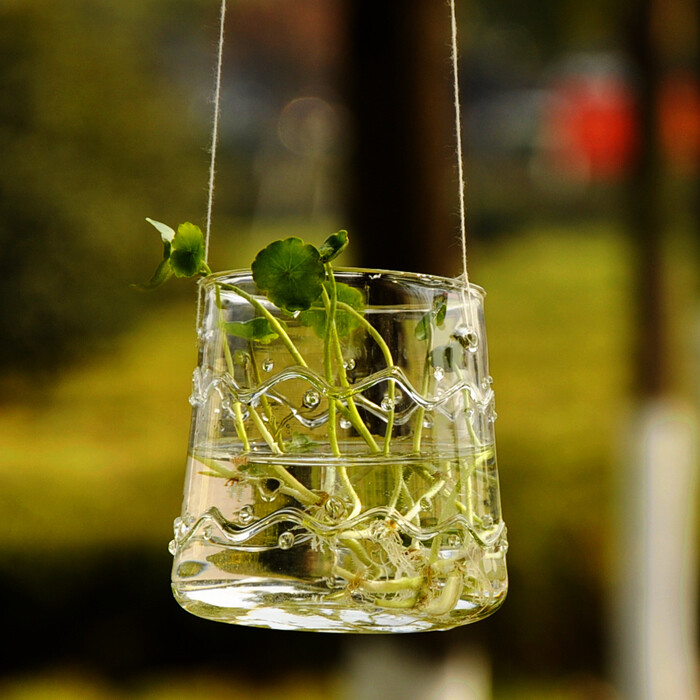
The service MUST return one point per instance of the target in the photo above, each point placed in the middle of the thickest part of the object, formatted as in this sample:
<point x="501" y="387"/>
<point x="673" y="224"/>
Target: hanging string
<point x="466" y="294"/>
<point x="214" y="147"/>
<point x="215" y="129"/>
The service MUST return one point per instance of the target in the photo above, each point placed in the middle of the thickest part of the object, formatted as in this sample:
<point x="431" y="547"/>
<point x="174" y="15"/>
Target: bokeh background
<point x="582" y="137"/>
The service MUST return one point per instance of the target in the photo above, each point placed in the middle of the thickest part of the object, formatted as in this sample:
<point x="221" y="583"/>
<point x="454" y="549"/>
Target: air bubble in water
<point x="312" y="398"/>
<point x="387" y="403"/>
<point x="349" y="364"/>
<point x="246" y="515"/>
<point x="439" y="373"/>
<point x="268" y="365"/>
<point x="345" y="423"/>
<point x="286" y="540"/>
<point x="335" y="508"/>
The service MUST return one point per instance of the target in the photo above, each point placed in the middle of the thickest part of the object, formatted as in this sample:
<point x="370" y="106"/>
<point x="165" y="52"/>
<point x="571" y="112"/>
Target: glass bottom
<point x="286" y="605"/>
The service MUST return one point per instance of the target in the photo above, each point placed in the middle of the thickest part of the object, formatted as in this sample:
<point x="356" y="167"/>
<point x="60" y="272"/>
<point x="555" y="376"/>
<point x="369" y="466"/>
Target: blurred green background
<point x="582" y="152"/>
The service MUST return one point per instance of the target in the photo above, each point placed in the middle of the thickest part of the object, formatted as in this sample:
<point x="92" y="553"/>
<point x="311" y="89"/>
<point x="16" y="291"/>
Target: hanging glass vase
<point x="342" y="468"/>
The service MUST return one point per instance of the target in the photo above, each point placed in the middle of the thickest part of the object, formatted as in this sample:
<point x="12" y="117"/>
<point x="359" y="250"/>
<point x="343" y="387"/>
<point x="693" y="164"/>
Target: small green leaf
<point x="345" y="322"/>
<point x="300" y="442"/>
<point x="257" y="329"/>
<point x="440" y="309"/>
<point x="436" y="315"/>
<point x="333" y="246"/>
<point x="164" y="271"/>
<point x="162" y="274"/>
<point x="187" y="255"/>
<point x="290" y="273"/>
<point x="423" y="328"/>
<point x="166" y="233"/>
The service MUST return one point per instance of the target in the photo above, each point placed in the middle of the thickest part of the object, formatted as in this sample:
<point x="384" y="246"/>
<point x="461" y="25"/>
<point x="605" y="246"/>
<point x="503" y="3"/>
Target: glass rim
<point x="456" y="284"/>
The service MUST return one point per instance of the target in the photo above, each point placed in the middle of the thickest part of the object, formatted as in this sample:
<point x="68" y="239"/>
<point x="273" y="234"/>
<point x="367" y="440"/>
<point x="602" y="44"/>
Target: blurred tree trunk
<point x="398" y="89"/>
<point x="645" y="206"/>
<point x="656" y="604"/>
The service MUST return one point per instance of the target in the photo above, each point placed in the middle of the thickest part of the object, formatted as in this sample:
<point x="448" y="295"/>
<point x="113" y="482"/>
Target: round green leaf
<point x="291" y="274"/>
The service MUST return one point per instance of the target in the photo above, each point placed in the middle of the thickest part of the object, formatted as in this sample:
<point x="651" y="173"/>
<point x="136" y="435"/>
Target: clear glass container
<point x="342" y="475"/>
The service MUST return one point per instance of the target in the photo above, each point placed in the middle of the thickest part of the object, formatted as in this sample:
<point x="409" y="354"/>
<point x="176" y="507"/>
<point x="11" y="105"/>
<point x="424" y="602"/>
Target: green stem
<point x="274" y="322"/>
<point x="331" y="305"/>
<point x="394" y="585"/>
<point x="237" y="410"/>
<point x="420" y="413"/>
<point x="353" y="414"/>
<point x="432" y="491"/>
<point x="388" y="359"/>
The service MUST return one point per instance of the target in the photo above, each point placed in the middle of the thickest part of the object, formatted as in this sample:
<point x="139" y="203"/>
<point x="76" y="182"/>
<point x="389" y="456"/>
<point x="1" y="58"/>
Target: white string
<point x="214" y="147"/>
<point x="466" y="293"/>
<point x="215" y="130"/>
<point x="460" y="150"/>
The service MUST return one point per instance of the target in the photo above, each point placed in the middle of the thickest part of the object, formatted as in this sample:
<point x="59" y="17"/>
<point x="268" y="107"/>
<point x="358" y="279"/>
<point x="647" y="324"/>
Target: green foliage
<point x="435" y="316"/>
<point x="257" y="329"/>
<point x="291" y="273"/>
<point x="333" y="246"/>
<point x="300" y="443"/>
<point x="183" y="254"/>
<point x="345" y="322"/>
<point x="187" y="256"/>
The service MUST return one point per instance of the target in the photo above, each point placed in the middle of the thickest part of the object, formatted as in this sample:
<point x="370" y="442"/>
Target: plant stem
<point x="274" y="322"/>
<point x="331" y="305"/>
<point x="353" y="414"/>
<point x="432" y="491"/>
<point x="238" y="412"/>
<point x="388" y="359"/>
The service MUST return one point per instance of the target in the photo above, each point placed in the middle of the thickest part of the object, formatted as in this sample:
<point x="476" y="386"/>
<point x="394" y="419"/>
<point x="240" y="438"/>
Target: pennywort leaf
<point x="290" y="272"/>
<point x="257" y="329"/>
<point x="345" y="322"/>
<point x="333" y="246"/>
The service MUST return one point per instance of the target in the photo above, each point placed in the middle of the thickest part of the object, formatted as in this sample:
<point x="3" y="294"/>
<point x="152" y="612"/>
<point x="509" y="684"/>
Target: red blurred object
<point x="591" y="126"/>
<point x="591" y="130"/>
